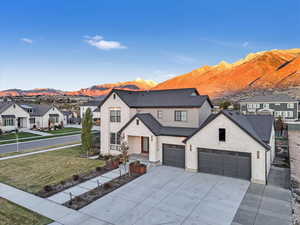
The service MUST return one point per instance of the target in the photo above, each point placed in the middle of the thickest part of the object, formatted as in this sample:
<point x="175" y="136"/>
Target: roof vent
<point x="194" y="94"/>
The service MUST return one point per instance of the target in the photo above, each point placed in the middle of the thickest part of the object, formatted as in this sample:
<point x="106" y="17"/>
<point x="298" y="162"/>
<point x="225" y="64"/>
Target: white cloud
<point x="27" y="40"/>
<point x="99" y="42"/>
<point x="245" y="44"/>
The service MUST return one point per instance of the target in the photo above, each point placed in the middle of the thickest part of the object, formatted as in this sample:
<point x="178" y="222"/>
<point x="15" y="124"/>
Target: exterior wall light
<point x="257" y="154"/>
<point x="191" y="147"/>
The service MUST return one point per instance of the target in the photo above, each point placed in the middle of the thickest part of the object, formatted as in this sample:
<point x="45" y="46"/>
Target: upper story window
<point x="159" y="114"/>
<point x="181" y="116"/>
<point x="114" y="96"/>
<point x="137" y="122"/>
<point x="115" y="116"/>
<point x="266" y="106"/>
<point x="290" y="105"/>
<point x="222" y="134"/>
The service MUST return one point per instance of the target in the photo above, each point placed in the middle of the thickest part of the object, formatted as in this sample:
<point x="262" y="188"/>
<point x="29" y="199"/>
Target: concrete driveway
<point x="168" y="195"/>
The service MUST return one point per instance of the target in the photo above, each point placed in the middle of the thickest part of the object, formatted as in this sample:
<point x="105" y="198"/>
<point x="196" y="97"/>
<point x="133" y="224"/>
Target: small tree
<point x="86" y="132"/>
<point x="279" y="126"/>
<point x="225" y="104"/>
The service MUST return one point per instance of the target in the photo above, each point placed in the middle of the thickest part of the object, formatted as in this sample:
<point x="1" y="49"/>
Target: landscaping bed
<point x="12" y="214"/>
<point x="97" y="193"/>
<point x="50" y="190"/>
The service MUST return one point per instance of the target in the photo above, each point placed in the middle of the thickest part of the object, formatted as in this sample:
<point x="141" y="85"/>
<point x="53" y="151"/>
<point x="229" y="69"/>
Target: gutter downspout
<point x="266" y="175"/>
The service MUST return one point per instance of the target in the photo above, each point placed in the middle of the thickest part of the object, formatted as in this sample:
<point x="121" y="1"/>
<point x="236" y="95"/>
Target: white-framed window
<point x="115" y="139"/>
<point x="180" y="116"/>
<point x="159" y="114"/>
<point x="290" y="105"/>
<point x="285" y="114"/>
<point x="250" y="106"/>
<point x="9" y="121"/>
<point x="257" y="106"/>
<point x="266" y="106"/>
<point x="115" y="116"/>
<point x="32" y="120"/>
<point x="290" y="114"/>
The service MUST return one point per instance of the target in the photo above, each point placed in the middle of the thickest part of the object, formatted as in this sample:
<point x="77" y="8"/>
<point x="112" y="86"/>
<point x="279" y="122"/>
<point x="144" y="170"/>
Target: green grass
<point x="64" y="130"/>
<point x="12" y="214"/>
<point x="32" y="173"/>
<point x="10" y="136"/>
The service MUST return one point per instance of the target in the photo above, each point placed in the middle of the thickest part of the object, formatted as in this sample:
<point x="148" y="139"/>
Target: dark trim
<point x="131" y="120"/>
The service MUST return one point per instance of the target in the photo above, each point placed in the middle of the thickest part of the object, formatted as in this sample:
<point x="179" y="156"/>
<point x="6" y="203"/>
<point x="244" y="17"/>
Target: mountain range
<point x="96" y="90"/>
<point x="267" y="70"/>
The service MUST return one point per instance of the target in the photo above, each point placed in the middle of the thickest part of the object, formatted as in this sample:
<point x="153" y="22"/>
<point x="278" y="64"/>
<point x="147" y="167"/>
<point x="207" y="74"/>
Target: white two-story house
<point x="176" y="128"/>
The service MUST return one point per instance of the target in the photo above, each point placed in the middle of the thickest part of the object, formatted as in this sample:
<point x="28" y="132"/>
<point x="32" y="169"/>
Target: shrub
<point x="48" y="188"/>
<point x="1" y="132"/>
<point x="63" y="182"/>
<point x="98" y="168"/>
<point x="75" y="177"/>
<point x="107" y="185"/>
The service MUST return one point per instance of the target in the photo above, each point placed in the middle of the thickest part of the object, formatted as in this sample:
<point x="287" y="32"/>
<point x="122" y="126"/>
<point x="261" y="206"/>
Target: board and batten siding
<point x="236" y="140"/>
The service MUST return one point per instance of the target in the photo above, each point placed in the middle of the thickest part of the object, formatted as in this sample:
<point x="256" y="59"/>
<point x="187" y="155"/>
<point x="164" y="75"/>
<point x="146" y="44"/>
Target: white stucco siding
<point x="106" y="126"/>
<point x="167" y="140"/>
<point x="18" y="112"/>
<point x="204" y="112"/>
<point x="236" y="140"/>
<point x="168" y="116"/>
<point x="140" y="130"/>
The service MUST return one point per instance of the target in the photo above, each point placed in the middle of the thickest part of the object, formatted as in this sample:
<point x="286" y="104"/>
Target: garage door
<point x="174" y="155"/>
<point x="226" y="163"/>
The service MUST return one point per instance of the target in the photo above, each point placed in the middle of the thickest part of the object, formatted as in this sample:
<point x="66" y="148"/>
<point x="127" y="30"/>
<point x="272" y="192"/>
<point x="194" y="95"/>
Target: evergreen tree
<point x="86" y="132"/>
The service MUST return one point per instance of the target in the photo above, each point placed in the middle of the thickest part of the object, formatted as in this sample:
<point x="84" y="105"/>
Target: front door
<point x="145" y="144"/>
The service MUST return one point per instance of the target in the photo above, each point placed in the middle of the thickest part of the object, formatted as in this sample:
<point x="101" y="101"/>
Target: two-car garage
<point x="226" y="163"/>
<point x="219" y="162"/>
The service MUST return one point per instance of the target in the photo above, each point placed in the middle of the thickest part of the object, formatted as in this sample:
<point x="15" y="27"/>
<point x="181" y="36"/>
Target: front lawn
<point x="12" y="136"/>
<point x="32" y="173"/>
<point x="12" y="214"/>
<point x="65" y="130"/>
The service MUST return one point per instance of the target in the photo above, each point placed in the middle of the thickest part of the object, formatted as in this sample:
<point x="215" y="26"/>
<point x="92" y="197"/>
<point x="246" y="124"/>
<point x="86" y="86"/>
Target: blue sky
<point x="74" y="44"/>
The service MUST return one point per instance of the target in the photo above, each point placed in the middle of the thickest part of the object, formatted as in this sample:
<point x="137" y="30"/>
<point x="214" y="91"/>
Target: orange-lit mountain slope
<point x="269" y="69"/>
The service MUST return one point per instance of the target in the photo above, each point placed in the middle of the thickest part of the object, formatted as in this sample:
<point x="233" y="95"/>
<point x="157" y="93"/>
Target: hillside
<point x="97" y="90"/>
<point x="258" y="71"/>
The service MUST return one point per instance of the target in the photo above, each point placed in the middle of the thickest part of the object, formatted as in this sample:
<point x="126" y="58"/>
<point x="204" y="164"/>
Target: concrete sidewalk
<point x="35" y="132"/>
<point x="38" y="152"/>
<point x="60" y="214"/>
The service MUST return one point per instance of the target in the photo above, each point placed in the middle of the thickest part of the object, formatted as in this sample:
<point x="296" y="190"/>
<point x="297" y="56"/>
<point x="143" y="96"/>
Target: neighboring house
<point x="13" y="117"/>
<point x="176" y="128"/>
<point x="93" y="106"/>
<point x="278" y="105"/>
<point x="43" y="116"/>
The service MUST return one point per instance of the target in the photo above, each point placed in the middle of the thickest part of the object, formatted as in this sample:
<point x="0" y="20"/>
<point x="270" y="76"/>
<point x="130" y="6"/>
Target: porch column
<point x="153" y="155"/>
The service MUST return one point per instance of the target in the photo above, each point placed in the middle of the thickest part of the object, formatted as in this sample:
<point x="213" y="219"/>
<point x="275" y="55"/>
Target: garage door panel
<point x="227" y="163"/>
<point x="230" y="165"/>
<point x="244" y="165"/>
<point x="174" y="155"/>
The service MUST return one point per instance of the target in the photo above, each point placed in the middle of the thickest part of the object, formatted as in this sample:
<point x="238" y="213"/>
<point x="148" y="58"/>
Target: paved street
<point x="40" y="143"/>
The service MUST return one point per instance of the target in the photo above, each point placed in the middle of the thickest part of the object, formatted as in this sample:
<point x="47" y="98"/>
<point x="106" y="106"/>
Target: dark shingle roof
<point x="4" y="106"/>
<point x="92" y="103"/>
<point x="259" y="127"/>
<point x="187" y="97"/>
<point x="262" y="125"/>
<point x="270" y="98"/>
<point x="157" y="129"/>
